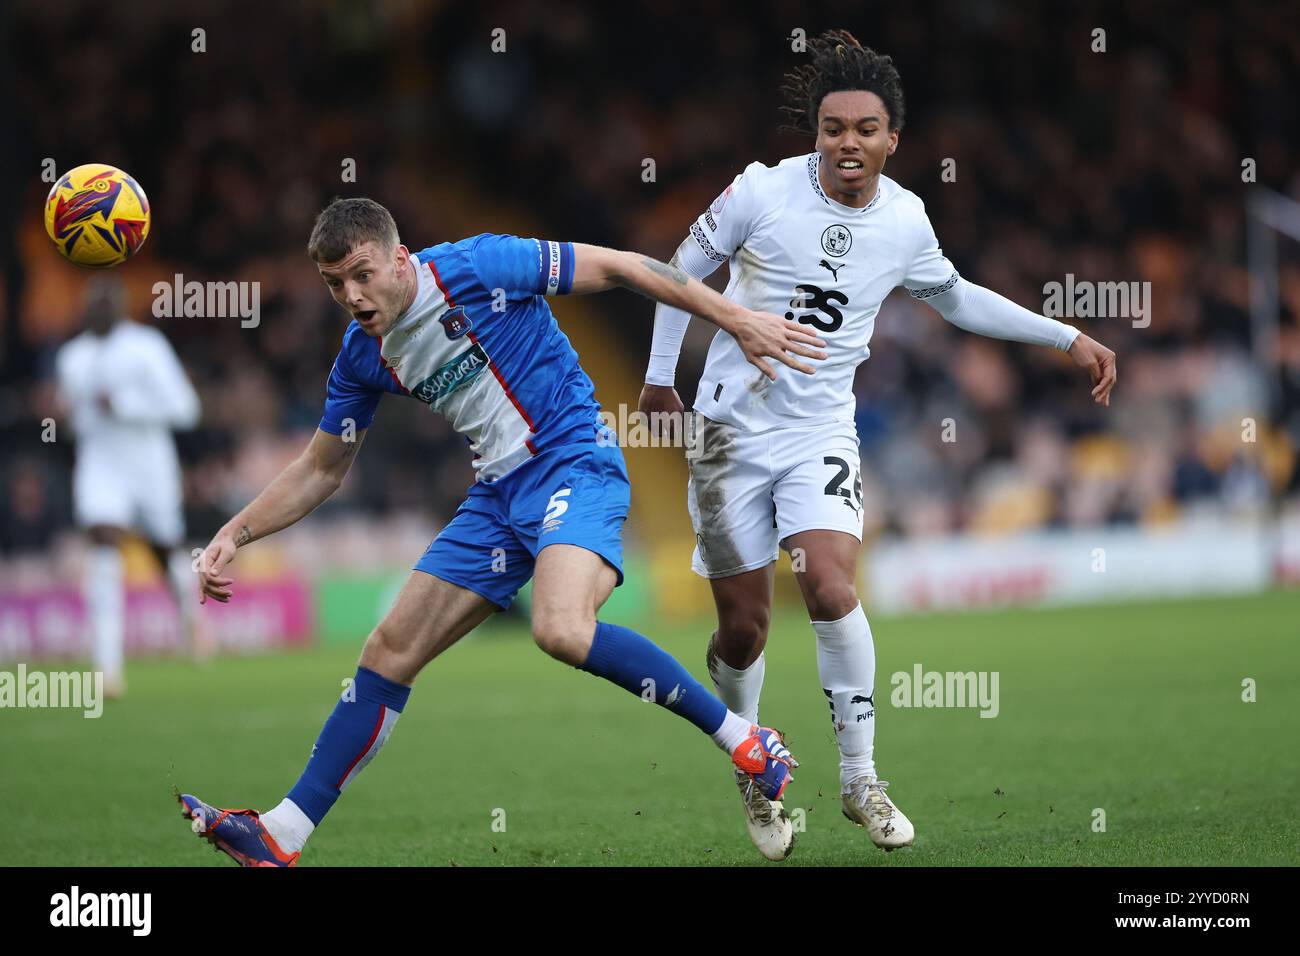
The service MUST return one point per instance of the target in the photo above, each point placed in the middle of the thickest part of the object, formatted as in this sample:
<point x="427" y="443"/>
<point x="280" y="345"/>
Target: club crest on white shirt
<point x="836" y="240"/>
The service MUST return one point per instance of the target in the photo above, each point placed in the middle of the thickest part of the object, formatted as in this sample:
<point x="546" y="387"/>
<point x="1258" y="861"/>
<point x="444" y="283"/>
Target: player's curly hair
<point x="839" y="62"/>
<point x="345" y="224"/>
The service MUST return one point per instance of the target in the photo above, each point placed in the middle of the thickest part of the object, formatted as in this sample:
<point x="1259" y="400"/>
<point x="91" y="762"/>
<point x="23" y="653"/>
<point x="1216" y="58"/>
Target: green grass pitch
<point x="1134" y="709"/>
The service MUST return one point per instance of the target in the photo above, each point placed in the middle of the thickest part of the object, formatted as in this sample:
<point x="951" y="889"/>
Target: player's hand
<point x="212" y="580"/>
<point x="661" y="400"/>
<point x="1100" y="362"/>
<point x="762" y="335"/>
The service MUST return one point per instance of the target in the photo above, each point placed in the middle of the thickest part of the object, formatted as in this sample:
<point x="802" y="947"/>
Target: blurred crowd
<point x="1122" y="165"/>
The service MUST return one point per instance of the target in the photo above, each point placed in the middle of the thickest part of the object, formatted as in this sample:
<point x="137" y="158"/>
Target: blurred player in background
<point x="124" y="391"/>
<point x="824" y="238"/>
<point x="464" y="327"/>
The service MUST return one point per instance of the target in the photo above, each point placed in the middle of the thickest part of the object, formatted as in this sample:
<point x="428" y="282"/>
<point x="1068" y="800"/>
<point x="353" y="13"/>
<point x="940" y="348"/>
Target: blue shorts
<point x="575" y="494"/>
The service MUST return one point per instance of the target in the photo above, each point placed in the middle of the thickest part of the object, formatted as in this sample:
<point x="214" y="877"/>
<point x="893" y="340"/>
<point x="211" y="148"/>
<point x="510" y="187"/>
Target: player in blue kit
<point x="465" y="328"/>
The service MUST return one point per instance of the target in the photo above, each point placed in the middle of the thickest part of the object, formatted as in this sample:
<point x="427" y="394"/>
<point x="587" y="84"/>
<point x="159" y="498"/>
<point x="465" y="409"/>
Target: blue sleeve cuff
<point x="335" y="426"/>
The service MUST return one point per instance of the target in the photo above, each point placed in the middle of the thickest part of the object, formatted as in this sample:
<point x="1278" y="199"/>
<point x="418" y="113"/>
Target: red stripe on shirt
<point x="509" y="394"/>
<point x="384" y="363"/>
<point x="491" y="364"/>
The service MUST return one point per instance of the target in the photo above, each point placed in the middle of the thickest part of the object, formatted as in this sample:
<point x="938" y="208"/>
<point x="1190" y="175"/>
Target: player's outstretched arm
<point x="303" y="485"/>
<point x="760" y="335"/>
<point x="982" y="311"/>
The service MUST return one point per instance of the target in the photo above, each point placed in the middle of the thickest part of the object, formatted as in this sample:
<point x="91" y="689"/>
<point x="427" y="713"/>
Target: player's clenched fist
<point x="212" y="580"/>
<point x="661" y="403"/>
<point x="660" y="400"/>
<point x="762" y="335"/>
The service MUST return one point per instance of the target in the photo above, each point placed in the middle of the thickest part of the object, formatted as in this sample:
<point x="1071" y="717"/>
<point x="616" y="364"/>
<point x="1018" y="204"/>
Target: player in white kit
<point x="124" y="391"/>
<point x="822" y="238"/>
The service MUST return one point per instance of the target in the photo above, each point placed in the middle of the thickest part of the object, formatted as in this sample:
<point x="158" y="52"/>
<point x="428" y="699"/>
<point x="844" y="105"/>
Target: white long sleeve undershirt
<point x="671" y="323"/>
<point x="982" y="311"/>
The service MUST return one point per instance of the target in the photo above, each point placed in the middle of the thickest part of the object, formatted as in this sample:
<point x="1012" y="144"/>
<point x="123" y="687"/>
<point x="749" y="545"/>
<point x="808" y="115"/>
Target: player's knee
<point x="742" y="634"/>
<point x="563" y="635"/>
<point x="831" y="600"/>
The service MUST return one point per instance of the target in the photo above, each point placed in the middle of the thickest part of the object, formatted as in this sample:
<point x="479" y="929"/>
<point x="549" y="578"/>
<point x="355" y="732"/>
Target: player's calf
<point x="744" y="603"/>
<point x="570" y="578"/>
<point x="360" y="724"/>
<point x="358" y="728"/>
<point x="739" y="640"/>
<point x="638" y="665"/>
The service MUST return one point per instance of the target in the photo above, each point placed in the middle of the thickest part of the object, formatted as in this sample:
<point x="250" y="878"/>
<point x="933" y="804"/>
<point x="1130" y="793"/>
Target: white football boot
<point x="767" y="820"/>
<point x="865" y="803"/>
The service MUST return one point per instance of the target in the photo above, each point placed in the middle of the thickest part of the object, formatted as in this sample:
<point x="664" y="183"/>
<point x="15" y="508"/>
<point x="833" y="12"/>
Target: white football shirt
<point x="134" y="369"/>
<point x="794" y="251"/>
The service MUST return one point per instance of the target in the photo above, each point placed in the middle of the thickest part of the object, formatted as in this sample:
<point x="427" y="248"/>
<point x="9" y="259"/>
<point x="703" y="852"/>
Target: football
<point x="97" y="216"/>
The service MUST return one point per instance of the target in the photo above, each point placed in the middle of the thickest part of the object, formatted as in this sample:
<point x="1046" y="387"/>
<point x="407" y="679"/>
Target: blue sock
<point x="362" y="720"/>
<point x="624" y="657"/>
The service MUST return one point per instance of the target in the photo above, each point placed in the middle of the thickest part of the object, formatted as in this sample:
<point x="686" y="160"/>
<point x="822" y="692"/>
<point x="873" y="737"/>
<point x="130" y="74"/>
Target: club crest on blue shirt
<point x="455" y="323"/>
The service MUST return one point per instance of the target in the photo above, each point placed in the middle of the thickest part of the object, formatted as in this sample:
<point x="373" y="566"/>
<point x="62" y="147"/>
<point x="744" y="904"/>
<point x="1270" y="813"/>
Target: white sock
<point x="733" y="732"/>
<point x="739" y="689"/>
<point x="105" y="610"/>
<point x="846" y="663"/>
<point x="288" y="825"/>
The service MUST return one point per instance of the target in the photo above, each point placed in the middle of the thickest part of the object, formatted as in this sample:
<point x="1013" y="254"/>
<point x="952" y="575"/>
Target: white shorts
<point x="126" y="496"/>
<point x="749" y="492"/>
